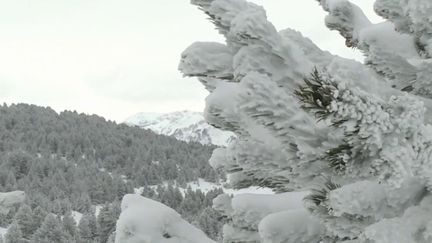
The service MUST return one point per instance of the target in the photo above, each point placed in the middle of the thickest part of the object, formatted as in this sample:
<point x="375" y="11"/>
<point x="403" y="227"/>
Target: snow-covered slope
<point x="206" y="186"/>
<point x="184" y="125"/>
<point x="9" y="200"/>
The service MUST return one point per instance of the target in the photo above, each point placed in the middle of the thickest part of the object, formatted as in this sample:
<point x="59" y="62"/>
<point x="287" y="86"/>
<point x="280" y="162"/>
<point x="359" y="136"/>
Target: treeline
<point x="69" y="162"/>
<point x="39" y="226"/>
<point x="142" y="156"/>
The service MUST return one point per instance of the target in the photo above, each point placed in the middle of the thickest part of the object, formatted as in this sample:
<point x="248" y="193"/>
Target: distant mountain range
<point x="187" y="126"/>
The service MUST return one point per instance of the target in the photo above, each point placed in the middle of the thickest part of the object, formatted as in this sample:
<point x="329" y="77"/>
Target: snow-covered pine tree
<point x="50" y="231"/>
<point x="24" y="219"/>
<point x="39" y="215"/>
<point x="106" y="220"/>
<point x="210" y="222"/>
<point x="87" y="227"/>
<point x="70" y="226"/>
<point x="355" y="138"/>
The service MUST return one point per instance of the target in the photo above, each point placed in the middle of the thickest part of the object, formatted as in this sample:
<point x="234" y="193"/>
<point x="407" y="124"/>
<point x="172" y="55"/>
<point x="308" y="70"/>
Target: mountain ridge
<point x="189" y="126"/>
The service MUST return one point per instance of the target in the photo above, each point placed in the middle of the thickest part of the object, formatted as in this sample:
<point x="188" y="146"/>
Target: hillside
<point x="70" y="162"/>
<point x="187" y="126"/>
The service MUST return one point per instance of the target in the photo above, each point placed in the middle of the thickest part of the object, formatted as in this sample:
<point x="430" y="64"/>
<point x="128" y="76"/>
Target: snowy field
<point x="3" y="231"/>
<point x="206" y="186"/>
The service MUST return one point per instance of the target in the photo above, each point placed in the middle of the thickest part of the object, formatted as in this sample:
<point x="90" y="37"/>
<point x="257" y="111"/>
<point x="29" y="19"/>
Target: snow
<point x="200" y="58"/>
<point x="10" y="199"/>
<point x="77" y="216"/>
<point x="255" y="216"/>
<point x="184" y="125"/>
<point x="146" y="221"/>
<point x="206" y="186"/>
<point x="250" y="209"/>
<point x="98" y="209"/>
<point x="413" y="224"/>
<point x="232" y="234"/>
<point x="3" y="231"/>
<point x="292" y="226"/>
<point x="376" y="119"/>
<point x="377" y="201"/>
<point x="382" y="35"/>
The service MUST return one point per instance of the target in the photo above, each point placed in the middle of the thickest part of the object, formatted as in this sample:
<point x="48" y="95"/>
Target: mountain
<point x="73" y="159"/>
<point x="187" y="126"/>
<point x="79" y="166"/>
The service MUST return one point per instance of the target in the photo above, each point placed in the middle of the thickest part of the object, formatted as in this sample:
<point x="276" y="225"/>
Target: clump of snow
<point x="250" y="209"/>
<point x="292" y="226"/>
<point x="222" y="203"/>
<point x="146" y="221"/>
<point x="77" y="216"/>
<point x="3" y="231"/>
<point x="377" y="201"/>
<point x="409" y="228"/>
<point x="215" y="59"/>
<point x="248" y="217"/>
<point x="232" y="234"/>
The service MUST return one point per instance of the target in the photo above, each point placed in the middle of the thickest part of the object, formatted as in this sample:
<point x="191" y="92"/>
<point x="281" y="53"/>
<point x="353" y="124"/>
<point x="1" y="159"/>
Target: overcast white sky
<point x="115" y="58"/>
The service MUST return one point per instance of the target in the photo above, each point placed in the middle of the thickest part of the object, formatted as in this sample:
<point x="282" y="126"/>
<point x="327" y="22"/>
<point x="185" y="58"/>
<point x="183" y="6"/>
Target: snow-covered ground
<point x="3" y="231"/>
<point x="10" y="199"/>
<point x="77" y="215"/>
<point x="187" y="126"/>
<point x="206" y="186"/>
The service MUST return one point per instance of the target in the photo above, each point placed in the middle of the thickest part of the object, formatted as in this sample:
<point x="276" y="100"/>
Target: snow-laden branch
<point x="143" y="220"/>
<point x="357" y="136"/>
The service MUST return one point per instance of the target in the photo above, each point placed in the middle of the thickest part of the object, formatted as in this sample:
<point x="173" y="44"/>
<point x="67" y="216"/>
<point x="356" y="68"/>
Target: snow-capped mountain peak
<point x="188" y="126"/>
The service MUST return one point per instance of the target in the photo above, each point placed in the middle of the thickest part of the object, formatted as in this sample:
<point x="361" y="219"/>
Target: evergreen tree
<point x="24" y="218"/>
<point x="351" y="139"/>
<point x="148" y="192"/>
<point x="83" y="204"/>
<point x="11" y="182"/>
<point x="107" y="219"/>
<point x="84" y="230"/>
<point x="171" y="196"/>
<point x="14" y="234"/>
<point x="209" y="221"/>
<point x="19" y="162"/>
<point x="71" y="161"/>
<point x="50" y="231"/>
<point x="39" y="215"/>
<point x="87" y="227"/>
<point x="70" y="226"/>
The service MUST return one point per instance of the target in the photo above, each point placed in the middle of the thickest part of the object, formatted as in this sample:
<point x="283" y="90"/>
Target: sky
<point x="115" y="58"/>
